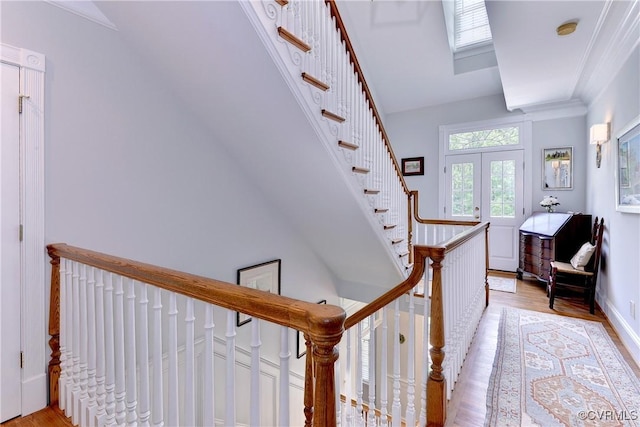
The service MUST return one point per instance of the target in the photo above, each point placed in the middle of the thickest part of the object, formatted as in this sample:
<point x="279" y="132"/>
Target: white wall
<point x="619" y="280"/>
<point x="415" y="134"/>
<point x="129" y="172"/>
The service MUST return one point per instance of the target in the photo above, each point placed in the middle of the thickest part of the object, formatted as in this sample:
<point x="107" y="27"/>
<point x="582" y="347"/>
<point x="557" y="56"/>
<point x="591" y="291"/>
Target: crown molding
<point x="622" y="23"/>
<point x="555" y="110"/>
<point x="84" y="9"/>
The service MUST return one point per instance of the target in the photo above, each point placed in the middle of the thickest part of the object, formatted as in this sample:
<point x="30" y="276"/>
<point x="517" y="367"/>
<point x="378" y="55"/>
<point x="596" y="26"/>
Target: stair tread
<point x="315" y="82"/>
<point x="381" y="210"/>
<point x="348" y="145"/>
<point x="371" y="191"/>
<point x="397" y="240"/>
<point x="332" y="116"/>
<point x="389" y="226"/>
<point x="357" y="169"/>
<point x="288" y="36"/>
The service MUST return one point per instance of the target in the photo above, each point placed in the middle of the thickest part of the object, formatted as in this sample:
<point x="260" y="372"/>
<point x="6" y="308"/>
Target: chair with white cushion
<point x="581" y="273"/>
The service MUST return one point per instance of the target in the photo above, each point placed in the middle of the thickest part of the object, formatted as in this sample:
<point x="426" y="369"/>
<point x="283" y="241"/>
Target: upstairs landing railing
<point x="310" y="45"/>
<point x="417" y="337"/>
<point x="136" y="344"/>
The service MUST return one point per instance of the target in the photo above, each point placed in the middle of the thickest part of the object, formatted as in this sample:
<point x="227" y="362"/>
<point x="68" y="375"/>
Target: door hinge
<point x="21" y="360"/>
<point x="445" y="169"/>
<point x="20" y="100"/>
<point x="21" y="232"/>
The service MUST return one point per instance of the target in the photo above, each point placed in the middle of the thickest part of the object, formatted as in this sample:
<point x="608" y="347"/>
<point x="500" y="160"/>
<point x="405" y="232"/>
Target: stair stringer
<point x="289" y="61"/>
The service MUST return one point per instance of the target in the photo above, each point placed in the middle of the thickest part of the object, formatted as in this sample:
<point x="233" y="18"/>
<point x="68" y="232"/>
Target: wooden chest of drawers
<point x="550" y="236"/>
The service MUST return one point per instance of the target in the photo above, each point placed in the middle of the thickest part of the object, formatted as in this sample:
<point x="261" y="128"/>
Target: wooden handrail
<point x="323" y="323"/>
<point x="463" y="237"/>
<point x="303" y="316"/>
<point x="420" y="254"/>
<point x="333" y="9"/>
<point x="416" y="215"/>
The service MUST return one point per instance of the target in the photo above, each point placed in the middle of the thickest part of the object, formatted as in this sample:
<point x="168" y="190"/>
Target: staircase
<point x="310" y="47"/>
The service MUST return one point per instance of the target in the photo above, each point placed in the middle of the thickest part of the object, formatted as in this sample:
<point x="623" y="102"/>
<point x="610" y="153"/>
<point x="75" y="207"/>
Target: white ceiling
<point x="403" y="48"/>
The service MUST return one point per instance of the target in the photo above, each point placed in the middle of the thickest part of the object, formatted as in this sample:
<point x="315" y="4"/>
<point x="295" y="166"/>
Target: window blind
<point x="471" y="23"/>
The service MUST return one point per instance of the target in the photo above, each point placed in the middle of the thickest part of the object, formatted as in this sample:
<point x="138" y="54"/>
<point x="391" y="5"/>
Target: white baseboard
<point x="34" y="394"/>
<point x="627" y="335"/>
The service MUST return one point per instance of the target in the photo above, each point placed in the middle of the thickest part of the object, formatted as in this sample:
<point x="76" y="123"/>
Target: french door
<point x="489" y="186"/>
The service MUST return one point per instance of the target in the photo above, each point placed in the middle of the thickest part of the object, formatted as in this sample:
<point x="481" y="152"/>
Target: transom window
<point x="484" y="138"/>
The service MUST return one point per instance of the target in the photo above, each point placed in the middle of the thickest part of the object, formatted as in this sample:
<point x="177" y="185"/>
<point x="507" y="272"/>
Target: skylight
<point x="471" y="24"/>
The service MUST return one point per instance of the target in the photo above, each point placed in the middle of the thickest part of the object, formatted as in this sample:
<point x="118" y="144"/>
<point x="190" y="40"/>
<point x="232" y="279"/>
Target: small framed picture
<point x="263" y="277"/>
<point x="413" y="166"/>
<point x="301" y="348"/>
<point x="557" y="168"/>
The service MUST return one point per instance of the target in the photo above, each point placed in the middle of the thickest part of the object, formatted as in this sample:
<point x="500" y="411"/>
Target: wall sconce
<point x="599" y="134"/>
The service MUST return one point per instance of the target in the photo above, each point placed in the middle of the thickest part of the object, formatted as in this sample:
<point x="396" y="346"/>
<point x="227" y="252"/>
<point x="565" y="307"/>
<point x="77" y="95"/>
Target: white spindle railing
<point x="404" y="364"/>
<point x="464" y="303"/>
<point x="116" y="357"/>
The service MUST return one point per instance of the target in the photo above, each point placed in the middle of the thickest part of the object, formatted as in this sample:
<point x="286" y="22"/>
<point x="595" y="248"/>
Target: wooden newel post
<point x="54" y="328"/>
<point x="325" y="332"/>
<point x="410" y="227"/>
<point x="436" y="384"/>
<point x="308" y="383"/>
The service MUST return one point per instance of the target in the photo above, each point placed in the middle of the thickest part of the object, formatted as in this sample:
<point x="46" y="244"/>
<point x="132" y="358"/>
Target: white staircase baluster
<point x="91" y="346"/>
<point x="285" y="356"/>
<point x="410" y="416"/>
<point x="189" y="366"/>
<point x="230" y="375"/>
<point x="158" y="385"/>
<point x="371" y="419"/>
<point x="119" y="347"/>
<point x="425" y="353"/>
<point x="62" y="380"/>
<point x="173" y="404"/>
<point x="384" y="360"/>
<point x="110" y="369"/>
<point x="396" y="406"/>
<point x="254" y="401"/>
<point x="75" y="417"/>
<point x="359" y="408"/>
<point x="143" y="355"/>
<point x="208" y="404"/>
<point x="100" y="349"/>
<point x="130" y="355"/>
<point x="84" y="395"/>
<point x="347" y="386"/>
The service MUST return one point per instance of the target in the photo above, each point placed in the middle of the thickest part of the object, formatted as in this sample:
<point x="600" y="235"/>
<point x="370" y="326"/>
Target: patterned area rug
<point x="551" y="370"/>
<point x="504" y="284"/>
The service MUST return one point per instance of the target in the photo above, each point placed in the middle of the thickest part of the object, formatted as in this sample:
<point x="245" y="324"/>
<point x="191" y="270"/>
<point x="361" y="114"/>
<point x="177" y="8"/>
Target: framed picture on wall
<point x="413" y="166"/>
<point x="628" y="168"/>
<point x="263" y="277"/>
<point x="557" y="168"/>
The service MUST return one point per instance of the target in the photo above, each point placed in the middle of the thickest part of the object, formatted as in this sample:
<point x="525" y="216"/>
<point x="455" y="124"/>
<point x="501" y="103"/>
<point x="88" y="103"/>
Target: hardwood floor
<point x="46" y="417"/>
<point x="467" y="406"/>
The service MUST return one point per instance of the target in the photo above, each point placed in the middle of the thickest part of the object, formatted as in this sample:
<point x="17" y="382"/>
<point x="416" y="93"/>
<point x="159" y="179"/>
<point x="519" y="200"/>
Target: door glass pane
<point x="484" y="138"/>
<point x="503" y="189"/>
<point x="462" y="189"/>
